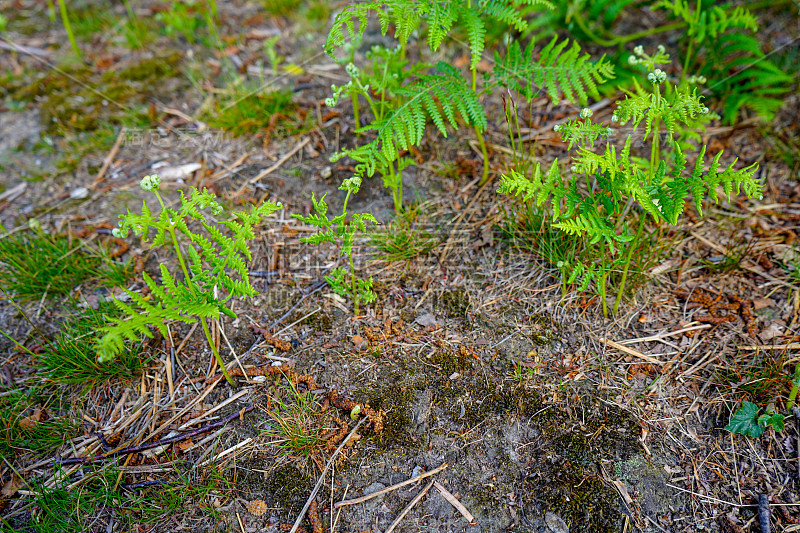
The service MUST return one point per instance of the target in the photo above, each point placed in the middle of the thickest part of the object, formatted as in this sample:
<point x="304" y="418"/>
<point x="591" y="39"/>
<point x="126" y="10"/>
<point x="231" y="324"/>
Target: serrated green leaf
<point x="745" y="421"/>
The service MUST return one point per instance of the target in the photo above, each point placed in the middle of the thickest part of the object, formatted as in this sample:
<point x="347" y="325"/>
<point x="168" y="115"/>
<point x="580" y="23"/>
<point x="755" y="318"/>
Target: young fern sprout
<point x="212" y="268"/>
<point x="593" y="199"/>
<point x="340" y="233"/>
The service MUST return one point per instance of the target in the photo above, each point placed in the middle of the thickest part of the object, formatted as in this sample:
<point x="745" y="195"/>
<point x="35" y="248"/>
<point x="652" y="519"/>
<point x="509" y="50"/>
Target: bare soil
<point x="472" y="353"/>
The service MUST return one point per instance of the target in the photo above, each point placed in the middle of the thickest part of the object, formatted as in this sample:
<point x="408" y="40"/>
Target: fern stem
<point x="689" y="47"/>
<point x="215" y="351"/>
<point x="631" y="245"/>
<point x="793" y="393"/>
<point x="603" y="276"/>
<point x="191" y="286"/>
<point x="177" y="247"/>
<point x="396" y="184"/>
<point x="62" y="5"/>
<point x="479" y="135"/>
<point x="353" y="283"/>
<point x="484" y="155"/>
<point x="354" y="98"/>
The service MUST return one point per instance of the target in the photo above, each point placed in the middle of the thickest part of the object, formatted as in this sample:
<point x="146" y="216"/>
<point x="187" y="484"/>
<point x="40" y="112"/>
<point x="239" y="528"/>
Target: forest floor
<point x="534" y="412"/>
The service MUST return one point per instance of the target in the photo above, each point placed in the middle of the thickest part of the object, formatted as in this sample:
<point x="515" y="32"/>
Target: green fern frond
<point x="556" y="71"/>
<point x="344" y="24"/>
<point x="709" y="22"/>
<point x="434" y="96"/>
<point x="583" y="132"/>
<point x="535" y="186"/>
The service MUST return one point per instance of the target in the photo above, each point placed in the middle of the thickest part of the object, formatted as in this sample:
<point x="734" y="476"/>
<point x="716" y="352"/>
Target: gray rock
<point x="555" y="523"/>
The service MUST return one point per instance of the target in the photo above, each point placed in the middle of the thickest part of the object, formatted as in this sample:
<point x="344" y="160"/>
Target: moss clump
<point x="455" y="303"/>
<point x="450" y="362"/>
<point x="85" y="100"/>
<point x="247" y="112"/>
<point x="488" y="400"/>
<point x="582" y="500"/>
<point x="395" y="401"/>
<point x="289" y="487"/>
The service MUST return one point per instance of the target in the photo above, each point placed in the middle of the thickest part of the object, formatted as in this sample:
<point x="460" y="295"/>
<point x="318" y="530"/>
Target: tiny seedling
<point x="750" y="421"/>
<point x="206" y="286"/>
<point x="293" y="430"/>
<point x="403" y="239"/>
<point x="337" y="231"/>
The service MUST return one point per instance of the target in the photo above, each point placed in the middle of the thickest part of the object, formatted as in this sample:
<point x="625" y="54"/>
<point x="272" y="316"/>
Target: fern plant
<point x="445" y="96"/>
<point x="591" y="200"/>
<point x="381" y="85"/>
<point x="337" y="230"/>
<point x="440" y="97"/>
<point x="214" y="273"/>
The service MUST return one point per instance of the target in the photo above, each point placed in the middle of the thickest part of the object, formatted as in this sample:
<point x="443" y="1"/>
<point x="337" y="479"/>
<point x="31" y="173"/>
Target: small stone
<point x="79" y="194"/>
<point x="427" y="320"/>
<point x="325" y="173"/>
<point x="555" y="523"/>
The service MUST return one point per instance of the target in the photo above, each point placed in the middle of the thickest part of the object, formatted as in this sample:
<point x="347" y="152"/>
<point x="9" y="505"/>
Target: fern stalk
<point x="62" y="5"/>
<point x="626" y="268"/>
<point x="688" y="58"/>
<point x="603" y="277"/>
<point x="191" y="286"/>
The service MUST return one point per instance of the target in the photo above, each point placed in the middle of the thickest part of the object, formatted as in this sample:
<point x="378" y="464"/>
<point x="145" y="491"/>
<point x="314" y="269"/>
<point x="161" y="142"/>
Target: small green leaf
<point x="772" y="419"/>
<point x="745" y="421"/>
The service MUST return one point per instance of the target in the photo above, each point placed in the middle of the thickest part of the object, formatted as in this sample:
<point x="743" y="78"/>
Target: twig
<point x="276" y="166"/>
<point x="410" y="505"/>
<point x="322" y="477"/>
<point x="143" y="484"/>
<point x="222" y="454"/>
<point x="150" y="445"/>
<point x="662" y="336"/>
<point x="208" y="413"/>
<point x="796" y="412"/>
<point x="454" y="501"/>
<point x="28" y="50"/>
<point x="389" y="489"/>
<point x="311" y="290"/>
<point x="763" y="513"/>
<point x="788" y="346"/>
<point x="703" y="496"/>
<point x="109" y="158"/>
<point x="631" y="351"/>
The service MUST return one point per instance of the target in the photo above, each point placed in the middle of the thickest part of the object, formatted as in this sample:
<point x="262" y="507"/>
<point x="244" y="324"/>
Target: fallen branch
<point x="454" y="502"/>
<point x="763" y="513"/>
<point x="410" y="505"/>
<point x="150" y="445"/>
<point x="322" y="478"/>
<point x="389" y="489"/>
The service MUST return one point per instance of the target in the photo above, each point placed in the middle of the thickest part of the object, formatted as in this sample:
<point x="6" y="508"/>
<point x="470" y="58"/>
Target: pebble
<point x="79" y="194"/>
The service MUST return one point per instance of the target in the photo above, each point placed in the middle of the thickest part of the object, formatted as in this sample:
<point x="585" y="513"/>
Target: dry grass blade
<point x="390" y="489"/>
<point x="410" y="506"/>
<point x="454" y="501"/>
<point x="631" y="351"/>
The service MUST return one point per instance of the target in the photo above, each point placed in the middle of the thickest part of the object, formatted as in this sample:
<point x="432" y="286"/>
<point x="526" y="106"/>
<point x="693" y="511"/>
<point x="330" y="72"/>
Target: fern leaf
<point x="558" y="72"/>
<point x="476" y="33"/>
